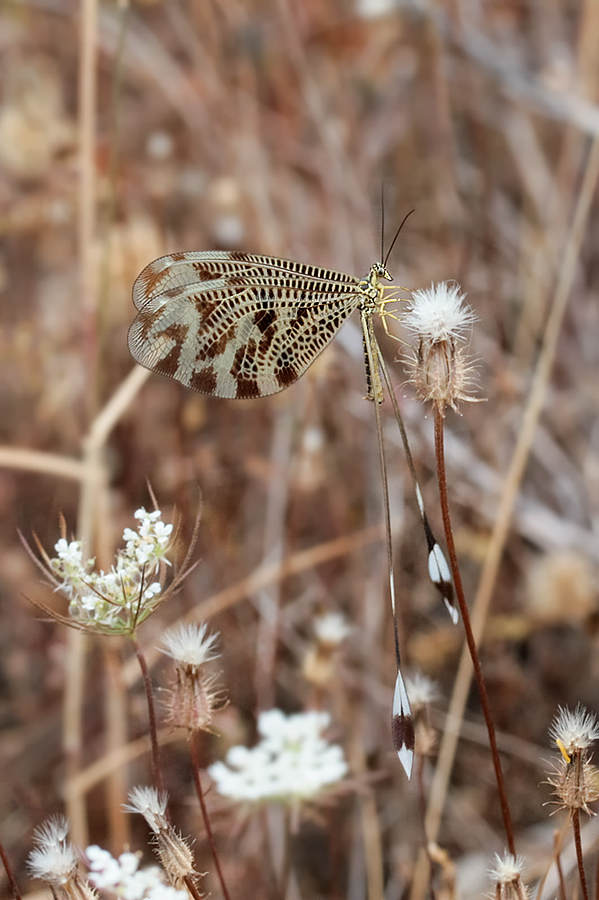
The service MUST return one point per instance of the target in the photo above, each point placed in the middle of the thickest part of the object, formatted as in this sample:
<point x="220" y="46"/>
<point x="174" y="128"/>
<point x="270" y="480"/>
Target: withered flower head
<point x="439" y="320"/>
<point x="575" y="779"/>
<point x="193" y="699"/>
<point x="175" y="855"/>
<point x="507" y="876"/>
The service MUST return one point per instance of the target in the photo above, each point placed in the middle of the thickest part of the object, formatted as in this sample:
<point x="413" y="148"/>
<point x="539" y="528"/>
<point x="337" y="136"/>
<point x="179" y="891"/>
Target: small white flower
<point x="374" y="9"/>
<point x="331" y="628"/>
<point x="119" y="600"/>
<point x="292" y="762"/>
<point x="575" y="730"/>
<point x="69" y="552"/>
<point x="189" y="645"/>
<point x="438" y="313"/>
<point x="124" y="877"/>
<point x="105" y="871"/>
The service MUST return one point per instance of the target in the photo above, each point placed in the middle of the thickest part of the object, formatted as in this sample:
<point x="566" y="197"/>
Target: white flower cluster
<point x="124" y="878"/>
<point x="292" y="762"/>
<point x="123" y="597"/>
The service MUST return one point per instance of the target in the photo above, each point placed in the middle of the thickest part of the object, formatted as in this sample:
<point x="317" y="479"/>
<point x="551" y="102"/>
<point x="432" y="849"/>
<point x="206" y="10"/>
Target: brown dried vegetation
<point x="269" y="127"/>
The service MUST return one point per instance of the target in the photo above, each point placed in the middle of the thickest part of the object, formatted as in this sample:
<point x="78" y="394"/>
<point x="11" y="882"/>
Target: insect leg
<point x="402" y="727"/>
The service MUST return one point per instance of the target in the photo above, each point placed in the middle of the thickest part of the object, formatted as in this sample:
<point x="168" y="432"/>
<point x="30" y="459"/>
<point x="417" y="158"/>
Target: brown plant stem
<point x="195" y="768"/>
<point x="457" y="580"/>
<point x="192" y="888"/>
<point x="579" y="855"/>
<point x="560" y="875"/>
<point x="9" y="874"/>
<point x="421" y="762"/>
<point x="156" y="768"/>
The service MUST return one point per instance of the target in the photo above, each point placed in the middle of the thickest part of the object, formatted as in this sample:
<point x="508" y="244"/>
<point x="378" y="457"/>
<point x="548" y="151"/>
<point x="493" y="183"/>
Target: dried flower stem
<point x="421" y="761"/>
<point x="457" y="580"/>
<point x="579" y="854"/>
<point x="192" y="888"/>
<point x="558" y="866"/>
<point x="9" y="873"/>
<point x="156" y="768"/>
<point x="194" y="750"/>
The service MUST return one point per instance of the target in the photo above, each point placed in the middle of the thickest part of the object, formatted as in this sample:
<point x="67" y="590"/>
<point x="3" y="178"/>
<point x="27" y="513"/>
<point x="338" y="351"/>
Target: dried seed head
<point x="175" y="855"/>
<point x="190" y="646"/>
<point x="574" y="730"/>
<point x="330" y="630"/>
<point x="507" y="875"/>
<point x="422" y="692"/>
<point x="439" y="370"/>
<point x="55" y="861"/>
<point x="193" y="699"/>
<point x="575" y="779"/>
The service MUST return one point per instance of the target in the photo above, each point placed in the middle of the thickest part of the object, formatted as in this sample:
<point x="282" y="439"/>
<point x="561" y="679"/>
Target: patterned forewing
<point x="181" y="270"/>
<point x="248" y="332"/>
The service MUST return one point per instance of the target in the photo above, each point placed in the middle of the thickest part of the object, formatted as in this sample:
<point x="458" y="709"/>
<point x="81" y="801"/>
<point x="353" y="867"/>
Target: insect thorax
<point x="371" y="288"/>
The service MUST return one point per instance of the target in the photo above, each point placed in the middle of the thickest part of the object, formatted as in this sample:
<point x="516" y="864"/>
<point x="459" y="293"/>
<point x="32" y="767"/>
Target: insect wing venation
<point x="236" y="325"/>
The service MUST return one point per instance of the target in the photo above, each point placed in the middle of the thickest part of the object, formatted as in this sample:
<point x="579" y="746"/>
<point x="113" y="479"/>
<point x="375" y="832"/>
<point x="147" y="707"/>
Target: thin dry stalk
<point x="470" y="639"/>
<point x="194" y="739"/>
<point x="76" y="641"/>
<point x="26" y="460"/>
<point x="115" y="703"/>
<point x="579" y="853"/>
<point x="152" y="725"/>
<point x="509" y="492"/>
<point x="9" y="873"/>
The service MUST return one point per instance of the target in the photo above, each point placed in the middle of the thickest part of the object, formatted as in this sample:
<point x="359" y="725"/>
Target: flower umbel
<point x="123" y="878"/>
<point x="54" y="860"/>
<point x="575" y="779"/>
<point x="115" y="602"/>
<point x="193" y="699"/>
<point x="175" y="855"/>
<point x="439" y="320"/>
<point x="291" y="763"/>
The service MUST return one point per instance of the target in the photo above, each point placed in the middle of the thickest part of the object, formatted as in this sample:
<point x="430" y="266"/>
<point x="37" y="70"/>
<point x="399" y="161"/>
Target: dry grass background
<point x="129" y="131"/>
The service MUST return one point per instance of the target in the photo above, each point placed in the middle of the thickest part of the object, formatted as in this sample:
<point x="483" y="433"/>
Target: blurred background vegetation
<point x="132" y="130"/>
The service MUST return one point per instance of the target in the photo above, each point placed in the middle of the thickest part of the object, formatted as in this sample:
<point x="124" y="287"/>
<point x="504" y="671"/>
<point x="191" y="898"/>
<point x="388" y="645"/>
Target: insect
<point x="235" y="325"/>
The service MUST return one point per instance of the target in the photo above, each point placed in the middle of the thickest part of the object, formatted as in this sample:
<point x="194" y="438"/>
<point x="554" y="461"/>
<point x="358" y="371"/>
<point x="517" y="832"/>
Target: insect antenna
<point x="403" y="222"/>
<point x="383" y="220"/>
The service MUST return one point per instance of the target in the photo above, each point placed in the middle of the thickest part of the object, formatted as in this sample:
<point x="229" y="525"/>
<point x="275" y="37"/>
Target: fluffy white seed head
<point x="189" y="645"/>
<point x="574" y="730"/>
<point x="439" y="321"/>
<point x="506" y="874"/>
<point x="54" y="860"/>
